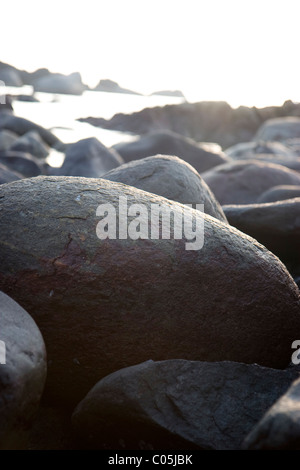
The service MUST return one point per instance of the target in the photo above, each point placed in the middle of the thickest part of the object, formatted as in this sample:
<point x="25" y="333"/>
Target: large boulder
<point x="244" y="181"/>
<point x="107" y="303"/>
<point x="279" y="193"/>
<point x="22" y="163"/>
<point x="276" y="225"/>
<point x="21" y="126"/>
<point x="32" y="143"/>
<point x="7" y="176"/>
<point x="169" y="177"/>
<point x="170" y="143"/>
<point x="279" y="429"/>
<point x="279" y="129"/>
<point x="178" y="404"/>
<point x="22" y="373"/>
<point x="88" y="158"/>
<point x="58" y="83"/>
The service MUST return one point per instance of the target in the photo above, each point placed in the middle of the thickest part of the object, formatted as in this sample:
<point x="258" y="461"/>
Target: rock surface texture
<point x="171" y="178"/>
<point x="105" y="304"/>
<point x="178" y="404"/>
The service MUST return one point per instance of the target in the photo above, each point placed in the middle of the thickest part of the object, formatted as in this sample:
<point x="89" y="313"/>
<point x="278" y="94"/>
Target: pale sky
<point x="243" y="50"/>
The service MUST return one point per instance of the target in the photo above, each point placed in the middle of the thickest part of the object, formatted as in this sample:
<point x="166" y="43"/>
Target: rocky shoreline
<point x="136" y="342"/>
<point x="208" y="121"/>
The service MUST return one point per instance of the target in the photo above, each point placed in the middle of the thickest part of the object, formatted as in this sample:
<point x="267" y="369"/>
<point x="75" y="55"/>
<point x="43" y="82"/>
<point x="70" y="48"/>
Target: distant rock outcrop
<point x="10" y="77"/>
<point x="176" y="93"/>
<point x="110" y="86"/>
<point x="58" y="83"/>
<point x="42" y="80"/>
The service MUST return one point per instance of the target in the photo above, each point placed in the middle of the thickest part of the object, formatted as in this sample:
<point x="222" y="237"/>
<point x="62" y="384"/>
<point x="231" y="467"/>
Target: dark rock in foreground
<point x="51" y="430"/>
<point x="171" y="178"/>
<point x="23" y="375"/>
<point x="280" y="193"/>
<point x="276" y="225"/>
<point x="243" y="182"/>
<point x="170" y="143"/>
<point x="279" y="428"/>
<point x="88" y="158"/>
<point x="178" y="404"/>
<point x="106" y="304"/>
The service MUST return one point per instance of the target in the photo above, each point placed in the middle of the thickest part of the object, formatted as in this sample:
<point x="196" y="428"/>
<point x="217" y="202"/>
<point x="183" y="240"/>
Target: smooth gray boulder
<point x="32" y="143"/>
<point x="244" y="181"/>
<point x="169" y="143"/>
<point x="279" y="193"/>
<point x="178" y="404"/>
<point x="88" y="158"/>
<point x="279" y="429"/>
<point x="107" y="303"/>
<point x="169" y="177"/>
<point x="279" y="129"/>
<point x="22" y="373"/>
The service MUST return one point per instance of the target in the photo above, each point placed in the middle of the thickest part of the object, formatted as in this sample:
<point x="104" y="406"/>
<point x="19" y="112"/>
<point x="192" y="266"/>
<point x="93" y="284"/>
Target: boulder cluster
<point x="136" y="342"/>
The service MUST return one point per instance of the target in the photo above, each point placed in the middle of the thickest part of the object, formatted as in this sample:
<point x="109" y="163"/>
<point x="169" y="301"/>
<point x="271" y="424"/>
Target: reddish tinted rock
<point x="103" y="305"/>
